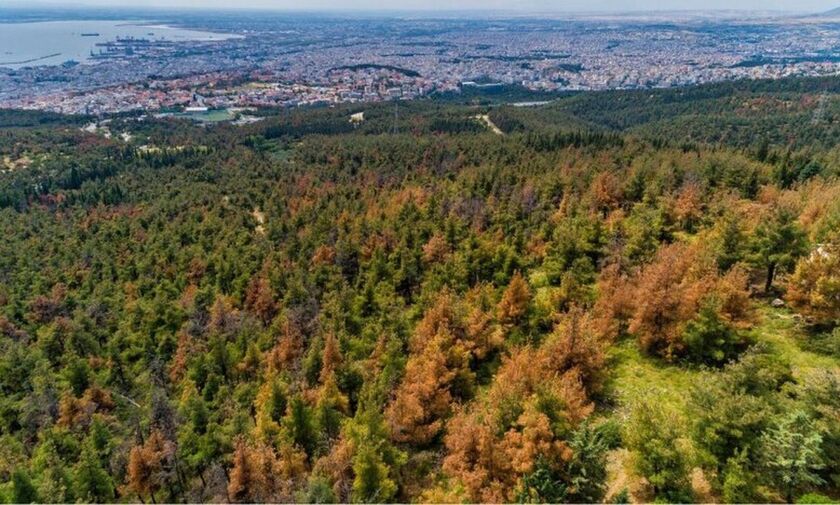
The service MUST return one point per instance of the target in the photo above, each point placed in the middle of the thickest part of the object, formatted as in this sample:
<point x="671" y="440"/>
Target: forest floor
<point x="783" y="330"/>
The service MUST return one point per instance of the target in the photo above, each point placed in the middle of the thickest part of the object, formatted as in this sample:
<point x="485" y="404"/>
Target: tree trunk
<point x="771" y="272"/>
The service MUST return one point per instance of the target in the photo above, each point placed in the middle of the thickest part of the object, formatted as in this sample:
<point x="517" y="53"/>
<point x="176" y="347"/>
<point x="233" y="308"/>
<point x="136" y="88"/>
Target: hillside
<point x="623" y="296"/>
<point x="790" y="113"/>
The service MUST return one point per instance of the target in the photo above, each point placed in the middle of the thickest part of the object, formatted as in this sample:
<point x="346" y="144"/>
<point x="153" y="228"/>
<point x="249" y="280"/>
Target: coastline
<point x="31" y="60"/>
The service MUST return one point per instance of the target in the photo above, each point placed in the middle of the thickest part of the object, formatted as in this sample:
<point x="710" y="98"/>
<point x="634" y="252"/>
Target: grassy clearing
<point x="782" y="330"/>
<point x="634" y="375"/>
<point x="209" y="116"/>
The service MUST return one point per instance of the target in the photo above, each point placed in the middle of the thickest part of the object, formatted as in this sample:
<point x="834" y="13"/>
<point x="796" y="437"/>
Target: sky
<point x="504" y="5"/>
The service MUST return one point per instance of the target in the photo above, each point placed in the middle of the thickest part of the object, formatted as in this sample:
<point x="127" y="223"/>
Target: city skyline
<point x="268" y="60"/>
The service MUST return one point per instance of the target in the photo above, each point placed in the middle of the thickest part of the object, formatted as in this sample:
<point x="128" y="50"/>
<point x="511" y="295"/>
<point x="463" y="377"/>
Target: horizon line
<point x="38" y="4"/>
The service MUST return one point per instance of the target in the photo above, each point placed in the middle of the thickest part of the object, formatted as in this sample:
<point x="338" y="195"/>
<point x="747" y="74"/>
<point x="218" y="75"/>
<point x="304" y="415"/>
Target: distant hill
<point x="735" y="113"/>
<point x="833" y="13"/>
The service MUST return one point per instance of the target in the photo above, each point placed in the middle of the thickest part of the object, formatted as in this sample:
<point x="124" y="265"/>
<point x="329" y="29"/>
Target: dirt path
<point x="484" y="118"/>
<point x="260" y="218"/>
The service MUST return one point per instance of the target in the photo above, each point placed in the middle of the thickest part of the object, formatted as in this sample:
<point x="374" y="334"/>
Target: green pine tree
<point x="792" y="453"/>
<point x="93" y="484"/>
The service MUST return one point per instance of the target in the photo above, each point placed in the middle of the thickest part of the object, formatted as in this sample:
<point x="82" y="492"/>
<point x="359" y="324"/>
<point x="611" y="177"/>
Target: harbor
<point x="56" y="42"/>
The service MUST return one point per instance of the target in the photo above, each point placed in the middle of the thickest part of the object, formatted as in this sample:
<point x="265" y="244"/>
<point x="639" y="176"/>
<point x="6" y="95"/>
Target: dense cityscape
<point x="268" y="59"/>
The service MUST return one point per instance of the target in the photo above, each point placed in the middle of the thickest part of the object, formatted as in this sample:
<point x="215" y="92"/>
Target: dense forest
<point x="628" y="296"/>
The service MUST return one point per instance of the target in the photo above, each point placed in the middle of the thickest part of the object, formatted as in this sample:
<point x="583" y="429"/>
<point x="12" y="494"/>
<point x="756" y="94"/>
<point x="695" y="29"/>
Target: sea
<point x="56" y="42"/>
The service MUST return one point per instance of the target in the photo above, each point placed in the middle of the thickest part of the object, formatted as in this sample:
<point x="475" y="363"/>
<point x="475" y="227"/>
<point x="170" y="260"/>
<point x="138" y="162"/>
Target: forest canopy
<point x="617" y="296"/>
